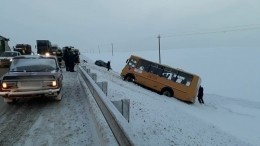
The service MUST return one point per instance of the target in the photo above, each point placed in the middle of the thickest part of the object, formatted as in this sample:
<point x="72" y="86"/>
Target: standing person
<point x="71" y="60"/>
<point x="66" y="58"/>
<point x="108" y="66"/>
<point x="200" y="95"/>
<point x="59" y="56"/>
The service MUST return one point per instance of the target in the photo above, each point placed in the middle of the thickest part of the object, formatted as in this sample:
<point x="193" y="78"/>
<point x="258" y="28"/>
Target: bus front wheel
<point x="129" y="78"/>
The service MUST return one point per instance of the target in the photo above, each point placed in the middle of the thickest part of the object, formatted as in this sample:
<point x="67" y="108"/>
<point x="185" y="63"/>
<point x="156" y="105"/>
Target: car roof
<point x="34" y="57"/>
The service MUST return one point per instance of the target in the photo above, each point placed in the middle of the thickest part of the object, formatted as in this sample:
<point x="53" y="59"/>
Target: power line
<point x="212" y="32"/>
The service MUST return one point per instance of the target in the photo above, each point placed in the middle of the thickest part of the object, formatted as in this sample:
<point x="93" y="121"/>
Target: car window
<point x="8" y="54"/>
<point x="33" y="65"/>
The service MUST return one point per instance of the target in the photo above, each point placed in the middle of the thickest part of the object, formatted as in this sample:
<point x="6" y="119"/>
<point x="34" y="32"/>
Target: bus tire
<point x="129" y="78"/>
<point x="167" y="92"/>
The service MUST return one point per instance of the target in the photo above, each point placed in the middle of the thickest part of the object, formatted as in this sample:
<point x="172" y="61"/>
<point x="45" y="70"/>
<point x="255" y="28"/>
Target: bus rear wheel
<point x="167" y="92"/>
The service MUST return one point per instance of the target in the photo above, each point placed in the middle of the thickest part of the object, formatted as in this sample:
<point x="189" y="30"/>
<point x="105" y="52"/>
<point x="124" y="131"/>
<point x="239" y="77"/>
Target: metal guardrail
<point x="115" y="120"/>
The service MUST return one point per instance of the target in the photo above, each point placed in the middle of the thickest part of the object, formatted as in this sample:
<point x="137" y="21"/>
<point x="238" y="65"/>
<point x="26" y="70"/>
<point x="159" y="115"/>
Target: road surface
<point x="44" y="121"/>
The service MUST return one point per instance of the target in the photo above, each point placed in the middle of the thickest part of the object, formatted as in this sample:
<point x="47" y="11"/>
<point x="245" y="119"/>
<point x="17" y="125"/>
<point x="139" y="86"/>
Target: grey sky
<point x="132" y="24"/>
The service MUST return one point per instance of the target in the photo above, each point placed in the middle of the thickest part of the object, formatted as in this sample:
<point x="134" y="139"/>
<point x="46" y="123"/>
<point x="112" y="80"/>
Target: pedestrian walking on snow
<point x="200" y="95"/>
<point x="108" y="66"/>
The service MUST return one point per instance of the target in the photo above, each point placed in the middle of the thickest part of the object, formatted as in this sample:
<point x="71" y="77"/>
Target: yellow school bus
<point x="163" y="79"/>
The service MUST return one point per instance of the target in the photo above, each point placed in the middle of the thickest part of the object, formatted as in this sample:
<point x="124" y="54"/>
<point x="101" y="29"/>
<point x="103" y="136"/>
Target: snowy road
<point x="159" y="120"/>
<point x="48" y="122"/>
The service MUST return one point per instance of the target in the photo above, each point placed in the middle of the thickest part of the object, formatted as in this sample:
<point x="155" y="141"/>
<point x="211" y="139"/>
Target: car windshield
<point x="8" y="54"/>
<point x="33" y="65"/>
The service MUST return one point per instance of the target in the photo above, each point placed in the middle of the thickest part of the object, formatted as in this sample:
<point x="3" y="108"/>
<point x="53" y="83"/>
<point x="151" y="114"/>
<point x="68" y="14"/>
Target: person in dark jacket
<point x="108" y="66"/>
<point x="200" y="95"/>
<point x="66" y="57"/>
<point x="59" y="56"/>
<point x="71" y="60"/>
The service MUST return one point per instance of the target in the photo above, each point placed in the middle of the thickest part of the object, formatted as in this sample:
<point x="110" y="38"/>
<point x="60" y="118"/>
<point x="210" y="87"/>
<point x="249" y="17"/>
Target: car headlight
<point x="47" y="54"/>
<point x="8" y="85"/>
<point x="54" y="83"/>
<point x="4" y="85"/>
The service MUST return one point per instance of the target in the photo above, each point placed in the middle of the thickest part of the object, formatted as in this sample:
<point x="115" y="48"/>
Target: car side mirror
<point x="58" y="69"/>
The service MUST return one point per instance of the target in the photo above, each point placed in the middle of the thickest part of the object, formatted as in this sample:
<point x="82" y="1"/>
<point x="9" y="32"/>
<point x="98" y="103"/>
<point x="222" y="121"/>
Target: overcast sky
<point x="132" y="24"/>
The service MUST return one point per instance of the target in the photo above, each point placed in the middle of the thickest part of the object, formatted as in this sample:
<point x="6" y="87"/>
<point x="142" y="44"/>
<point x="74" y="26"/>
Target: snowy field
<point x="230" y="116"/>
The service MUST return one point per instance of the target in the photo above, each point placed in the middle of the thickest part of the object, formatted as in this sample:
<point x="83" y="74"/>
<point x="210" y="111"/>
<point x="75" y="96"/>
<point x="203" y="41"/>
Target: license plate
<point x="30" y="84"/>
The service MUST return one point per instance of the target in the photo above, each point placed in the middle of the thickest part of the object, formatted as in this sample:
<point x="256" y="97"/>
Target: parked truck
<point x="56" y="51"/>
<point x="4" y="44"/>
<point x="43" y="47"/>
<point x="24" y="49"/>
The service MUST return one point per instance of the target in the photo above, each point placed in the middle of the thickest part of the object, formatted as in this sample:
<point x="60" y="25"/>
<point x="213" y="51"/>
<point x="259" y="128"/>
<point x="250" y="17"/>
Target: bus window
<point x="167" y="73"/>
<point x="184" y="78"/>
<point x="170" y="73"/>
<point x="132" y="62"/>
<point x="143" y="65"/>
<point x="156" y="69"/>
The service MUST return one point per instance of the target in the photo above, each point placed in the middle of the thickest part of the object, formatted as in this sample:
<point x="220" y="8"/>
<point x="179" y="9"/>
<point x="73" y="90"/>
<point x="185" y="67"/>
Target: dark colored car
<point x="32" y="76"/>
<point x="101" y="63"/>
<point x="6" y="58"/>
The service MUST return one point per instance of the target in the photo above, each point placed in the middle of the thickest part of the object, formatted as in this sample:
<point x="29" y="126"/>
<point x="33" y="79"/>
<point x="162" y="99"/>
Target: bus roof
<point x="135" y="56"/>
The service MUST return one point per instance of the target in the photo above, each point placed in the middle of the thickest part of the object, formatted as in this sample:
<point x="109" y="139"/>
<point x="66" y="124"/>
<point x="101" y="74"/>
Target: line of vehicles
<point x="43" y="47"/>
<point x="30" y="74"/>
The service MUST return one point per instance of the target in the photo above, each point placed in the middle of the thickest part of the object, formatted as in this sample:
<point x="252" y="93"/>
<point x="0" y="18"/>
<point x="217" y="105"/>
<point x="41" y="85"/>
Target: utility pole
<point x="112" y="49"/>
<point x="159" y="39"/>
<point x="98" y="49"/>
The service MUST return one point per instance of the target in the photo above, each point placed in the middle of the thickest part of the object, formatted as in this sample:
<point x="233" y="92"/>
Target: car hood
<point x="31" y="74"/>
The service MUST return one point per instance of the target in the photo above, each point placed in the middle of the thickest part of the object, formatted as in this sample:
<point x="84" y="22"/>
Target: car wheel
<point x="9" y="101"/>
<point x="58" y="97"/>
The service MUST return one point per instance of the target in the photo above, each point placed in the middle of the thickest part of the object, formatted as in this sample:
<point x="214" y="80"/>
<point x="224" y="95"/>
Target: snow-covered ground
<point x="230" y="115"/>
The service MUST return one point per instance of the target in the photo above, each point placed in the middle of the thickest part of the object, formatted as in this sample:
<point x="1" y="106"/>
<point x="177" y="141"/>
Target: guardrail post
<point x="84" y="67"/>
<point x="93" y="76"/>
<point x="118" y="125"/>
<point x="88" y="70"/>
<point x="103" y="86"/>
<point x="123" y="107"/>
